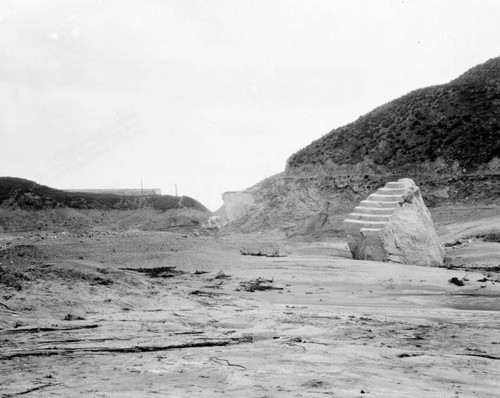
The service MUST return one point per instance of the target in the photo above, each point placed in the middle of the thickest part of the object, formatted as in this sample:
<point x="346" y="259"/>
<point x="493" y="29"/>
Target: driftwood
<point x="482" y="356"/>
<point x="30" y="390"/>
<point x="6" y="306"/>
<point x="127" y="350"/>
<point x="259" y="253"/>
<point x="222" y="361"/>
<point x="47" y="329"/>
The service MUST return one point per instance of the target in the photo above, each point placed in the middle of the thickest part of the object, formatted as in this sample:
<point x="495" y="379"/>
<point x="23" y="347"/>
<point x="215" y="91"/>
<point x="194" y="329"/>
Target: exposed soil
<point x="104" y="313"/>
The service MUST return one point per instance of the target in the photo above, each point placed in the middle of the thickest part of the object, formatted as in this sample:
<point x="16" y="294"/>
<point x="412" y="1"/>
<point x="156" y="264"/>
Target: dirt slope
<point x="26" y="205"/>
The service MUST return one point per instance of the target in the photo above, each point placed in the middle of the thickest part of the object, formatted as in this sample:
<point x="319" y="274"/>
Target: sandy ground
<point x="77" y="320"/>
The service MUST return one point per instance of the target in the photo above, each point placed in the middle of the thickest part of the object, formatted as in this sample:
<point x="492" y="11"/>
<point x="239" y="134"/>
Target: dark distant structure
<point x="125" y="191"/>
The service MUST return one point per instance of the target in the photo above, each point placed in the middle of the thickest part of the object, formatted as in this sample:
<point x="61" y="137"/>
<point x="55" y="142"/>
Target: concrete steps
<point x="394" y="185"/>
<point x="391" y="191"/>
<point x="372" y="214"/>
<point x="374" y="210"/>
<point x="393" y="224"/>
<point x="384" y="197"/>
<point x="369" y="217"/>
<point x="370" y="232"/>
<point x="354" y="226"/>
<point x="373" y="203"/>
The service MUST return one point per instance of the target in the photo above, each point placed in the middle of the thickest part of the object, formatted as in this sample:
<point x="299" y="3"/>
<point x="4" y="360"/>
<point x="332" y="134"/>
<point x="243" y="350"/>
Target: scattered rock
<point x="102" y="281"/>
<point x="222" y="275"/>
<point x="204" y="293"/>
<point x="456" y="281"/>
<point x="456" y="243"/>
<point x="71" y="317"/>
<point x="197" y="272"/>
<point x="17" y="324"/>
<point x="405" y="355"/>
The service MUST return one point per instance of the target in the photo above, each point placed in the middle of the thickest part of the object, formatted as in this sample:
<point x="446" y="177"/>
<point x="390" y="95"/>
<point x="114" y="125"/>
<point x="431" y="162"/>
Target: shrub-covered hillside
<point x="25" y="194"/>
<point x="458" y="121"/>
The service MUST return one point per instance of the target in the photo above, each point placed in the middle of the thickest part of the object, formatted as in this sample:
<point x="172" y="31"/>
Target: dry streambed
<point x="141" y="313"/>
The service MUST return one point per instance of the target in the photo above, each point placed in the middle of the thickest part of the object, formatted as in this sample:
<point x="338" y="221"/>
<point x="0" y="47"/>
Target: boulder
<point x="393" y="224"/>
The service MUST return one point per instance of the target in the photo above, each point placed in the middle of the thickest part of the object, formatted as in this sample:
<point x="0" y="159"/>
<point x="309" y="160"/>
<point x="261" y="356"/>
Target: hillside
<point x="456" y="123"/>
<point x="26" y="205"/>
<point x="446" y="138"/>
<point x="27" y="194"/>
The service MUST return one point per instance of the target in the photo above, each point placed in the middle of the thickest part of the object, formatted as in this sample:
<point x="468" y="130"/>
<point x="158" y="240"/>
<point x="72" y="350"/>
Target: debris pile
<point x="259" y="284"/>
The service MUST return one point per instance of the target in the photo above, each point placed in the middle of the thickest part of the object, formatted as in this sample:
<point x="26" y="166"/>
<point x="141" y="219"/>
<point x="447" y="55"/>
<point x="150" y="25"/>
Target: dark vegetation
<point x="25" y="194"/>
<point x="458" y="121"/>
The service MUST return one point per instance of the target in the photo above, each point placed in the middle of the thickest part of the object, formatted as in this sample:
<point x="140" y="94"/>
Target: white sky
<point x="213" y="95"/>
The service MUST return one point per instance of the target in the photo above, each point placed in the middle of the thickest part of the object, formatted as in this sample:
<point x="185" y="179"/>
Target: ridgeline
<point x="457" y="123"/>
<point x="25" y="194"/>
<point x="27" y="206"/>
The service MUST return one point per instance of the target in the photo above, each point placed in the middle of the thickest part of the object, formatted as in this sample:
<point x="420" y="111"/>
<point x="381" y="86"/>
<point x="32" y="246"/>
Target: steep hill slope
<point x="456" y="124"/>
<point x="446" y="138"/>
<point x="26" y="205"/>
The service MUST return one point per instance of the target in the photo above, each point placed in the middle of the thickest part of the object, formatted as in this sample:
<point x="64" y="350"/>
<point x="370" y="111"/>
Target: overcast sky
<point x="213" y="95"/>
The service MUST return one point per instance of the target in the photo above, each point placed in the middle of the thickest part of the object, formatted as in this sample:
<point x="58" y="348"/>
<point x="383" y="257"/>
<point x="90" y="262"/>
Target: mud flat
<point x="136" y="313"/>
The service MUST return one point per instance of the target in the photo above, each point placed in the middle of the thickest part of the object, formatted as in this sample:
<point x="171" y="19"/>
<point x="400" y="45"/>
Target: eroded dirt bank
<point x="81" y="315"/>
